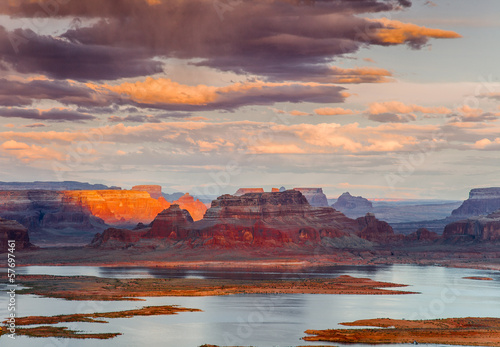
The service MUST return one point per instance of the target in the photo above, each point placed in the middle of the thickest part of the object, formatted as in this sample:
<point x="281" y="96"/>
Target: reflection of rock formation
<point x="153" y="190"/>
<point x="482" y="201"/>
<point x="196" y="208"/>
<point x="314" y="196"/>
<point x="13" y="231"/>
<point x="478" y="229"/>
<point x="243" y="191"/>
<point x="352" y="206"/>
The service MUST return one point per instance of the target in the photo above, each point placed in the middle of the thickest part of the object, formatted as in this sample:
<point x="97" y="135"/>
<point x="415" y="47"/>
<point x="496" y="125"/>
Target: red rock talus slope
<point x="314" y="196"/>
<point x="196" y="208"/>
<point x="117" y="206"/>
<point x="12" y="230"/>
<point x="477" y="229"/>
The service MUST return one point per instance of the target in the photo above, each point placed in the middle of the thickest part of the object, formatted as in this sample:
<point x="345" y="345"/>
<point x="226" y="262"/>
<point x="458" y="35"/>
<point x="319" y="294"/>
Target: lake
<point x="263" y="320"/>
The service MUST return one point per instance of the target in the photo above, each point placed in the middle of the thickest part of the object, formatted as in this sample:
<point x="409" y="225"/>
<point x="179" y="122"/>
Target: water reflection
<point x="267" y="320"/>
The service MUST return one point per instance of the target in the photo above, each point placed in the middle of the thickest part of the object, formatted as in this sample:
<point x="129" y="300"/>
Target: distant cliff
<point x="314" y="196"/>
<point x="481" y="201"/>
<point x="42" y="185"/>
<point x="243" y="191"/>
<point x="153" y="190"/>
<point x="353" y="206"/>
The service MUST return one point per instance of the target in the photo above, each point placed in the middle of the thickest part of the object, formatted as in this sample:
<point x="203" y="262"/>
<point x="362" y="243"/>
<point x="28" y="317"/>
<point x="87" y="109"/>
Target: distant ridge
<point x="52" y="185"/>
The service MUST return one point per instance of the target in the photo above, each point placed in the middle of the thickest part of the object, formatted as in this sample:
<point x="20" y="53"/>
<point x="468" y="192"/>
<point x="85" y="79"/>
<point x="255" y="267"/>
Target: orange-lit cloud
<point x="360" y="75"/>
<point x="330" y="111"/>
<point x="299" y="113"/>
<point x="396" y="32"/>
<point x="164" y="91"/>
<point x="399" y="107"/>
<point x="29" y="153"/>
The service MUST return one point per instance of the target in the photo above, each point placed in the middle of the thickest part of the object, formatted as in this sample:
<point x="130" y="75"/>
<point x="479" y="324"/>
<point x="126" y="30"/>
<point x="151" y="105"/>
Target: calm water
<point x="264" y="320"/>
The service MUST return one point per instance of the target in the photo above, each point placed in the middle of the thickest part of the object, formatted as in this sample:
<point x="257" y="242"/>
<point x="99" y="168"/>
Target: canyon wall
<point x="12" y="230"/>
<point x="117" y="206"/>
<point x="475" y="229"/>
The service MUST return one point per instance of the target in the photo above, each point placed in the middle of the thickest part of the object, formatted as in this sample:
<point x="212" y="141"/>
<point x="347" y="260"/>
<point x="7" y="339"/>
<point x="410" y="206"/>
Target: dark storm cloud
<point x="30" y="53"/>
<point x="57" y="115"/>
<point x="392" y="118"/>
<point x="281" y="39"/>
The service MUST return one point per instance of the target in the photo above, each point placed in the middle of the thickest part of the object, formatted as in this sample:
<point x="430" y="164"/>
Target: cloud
<point x="29" y="53"/>
<point x="148" y="118"/>
<point x="162" y="93"/>
<point x="298" y="113"/>
<point x="392" y="118"/>
<point x="26" y="92"/>
<point x="35" y="125"/>
<point x="399" y="107"/>
<point x="395" y="32"/>
<point x="28" y="153"/>
<point x="276" y="39"/>
<point x="486" y="144"/>
<point x="329" y="111"/>
<point x="54" y="114"/>
<point x="471" y="117"/>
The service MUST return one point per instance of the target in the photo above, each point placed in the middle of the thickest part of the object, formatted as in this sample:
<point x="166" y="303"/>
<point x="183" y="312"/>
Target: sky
<point x="381" y="98"/>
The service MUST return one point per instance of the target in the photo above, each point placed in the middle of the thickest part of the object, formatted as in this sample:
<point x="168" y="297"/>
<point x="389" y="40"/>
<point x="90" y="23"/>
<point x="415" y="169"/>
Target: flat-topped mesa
<point x="482" y="201"/>
<point x="269" y="219"/>
<point x="314" y="196"/>
<point x="474" y="229"/>
<point x="243" y="191"/>
<point x="196" y="208"/>
<point x="11" y="230"/>
<point x="153" y="190"/>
